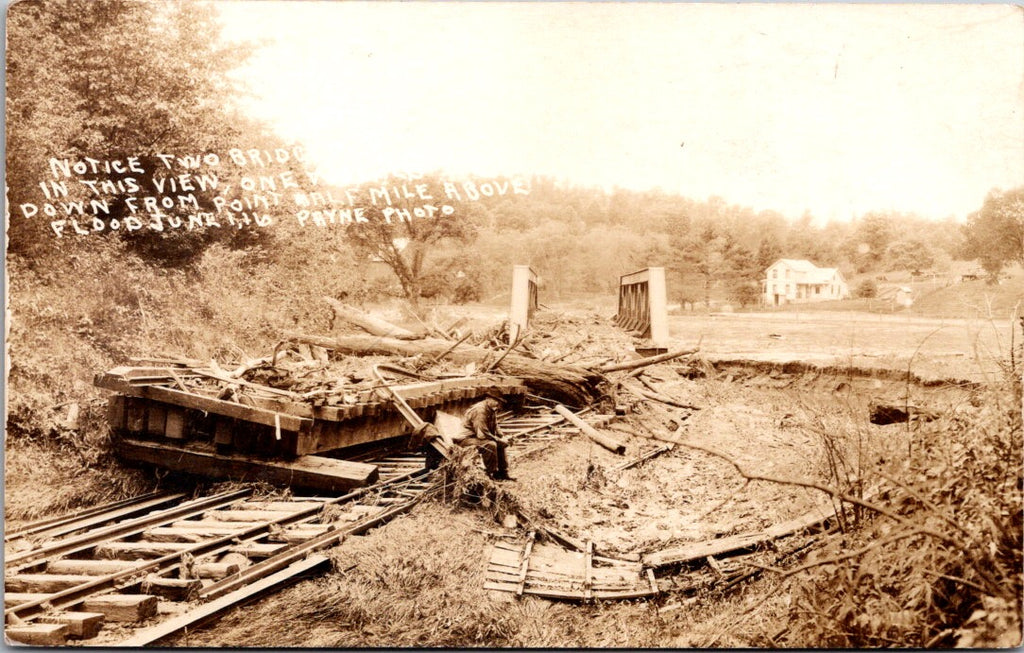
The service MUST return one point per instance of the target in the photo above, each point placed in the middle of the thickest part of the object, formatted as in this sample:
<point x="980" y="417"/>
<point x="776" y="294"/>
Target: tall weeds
<point x="947" y="571"/>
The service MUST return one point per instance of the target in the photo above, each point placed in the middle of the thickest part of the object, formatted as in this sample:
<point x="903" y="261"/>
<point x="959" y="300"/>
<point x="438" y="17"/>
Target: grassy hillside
<point x="939" y="298"/>
<point x="974" y="299"/>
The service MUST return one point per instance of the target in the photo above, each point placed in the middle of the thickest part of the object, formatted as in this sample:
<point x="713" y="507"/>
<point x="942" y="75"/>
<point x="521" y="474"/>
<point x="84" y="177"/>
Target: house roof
<point x="809" y="272"/>
<point x="799" y="264"/>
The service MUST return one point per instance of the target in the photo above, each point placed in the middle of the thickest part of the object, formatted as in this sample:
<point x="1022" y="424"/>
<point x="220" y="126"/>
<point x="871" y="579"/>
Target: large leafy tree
<point x="994" y="235"/>
<point x="110" y="79"/>
<point x="397" y="232"/>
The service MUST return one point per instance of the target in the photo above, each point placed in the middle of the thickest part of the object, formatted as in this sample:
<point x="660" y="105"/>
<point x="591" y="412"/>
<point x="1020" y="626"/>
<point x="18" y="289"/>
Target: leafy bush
<point x="866" y="289"/>
<point x="939" y="561"/>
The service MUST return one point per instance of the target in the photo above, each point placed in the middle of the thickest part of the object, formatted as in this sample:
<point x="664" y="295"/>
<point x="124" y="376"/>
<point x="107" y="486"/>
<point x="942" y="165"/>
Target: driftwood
<point x="645" y="394"/>
<point x="647" y="456"/>
<point x="643" y="434"/>
<point x="609" y="443"/>
<point x="568" y="384"/>
<point x="644" y="362"/>
<point x="893" y="414"/>
<point x="369" y="323"/>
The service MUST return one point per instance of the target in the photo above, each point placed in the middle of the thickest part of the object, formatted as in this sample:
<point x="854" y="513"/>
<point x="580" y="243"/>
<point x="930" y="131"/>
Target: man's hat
<point x="497" y="396"/>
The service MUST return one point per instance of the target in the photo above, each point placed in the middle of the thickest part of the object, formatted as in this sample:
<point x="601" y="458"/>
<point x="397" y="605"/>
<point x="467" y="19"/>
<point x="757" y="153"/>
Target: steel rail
<point x="65" y="524"/>
<point x="267" y="574"/>
<point x="72" y="596"/>
<point x="123" y="529"/>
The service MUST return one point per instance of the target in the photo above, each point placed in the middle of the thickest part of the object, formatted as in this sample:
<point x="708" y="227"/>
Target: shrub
<point x="938" y="562"/>
<point x="866" y="289"/>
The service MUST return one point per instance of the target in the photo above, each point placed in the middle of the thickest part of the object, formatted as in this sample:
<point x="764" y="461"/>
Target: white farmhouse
<point x="789" y="281"/>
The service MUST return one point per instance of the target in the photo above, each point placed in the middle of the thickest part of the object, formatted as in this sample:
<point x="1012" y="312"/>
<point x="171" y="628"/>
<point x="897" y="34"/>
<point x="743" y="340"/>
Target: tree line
<point x="112" y="79"/>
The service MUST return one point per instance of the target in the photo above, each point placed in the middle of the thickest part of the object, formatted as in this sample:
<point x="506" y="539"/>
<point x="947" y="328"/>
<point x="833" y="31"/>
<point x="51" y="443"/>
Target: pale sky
<point x="835" y="109"/>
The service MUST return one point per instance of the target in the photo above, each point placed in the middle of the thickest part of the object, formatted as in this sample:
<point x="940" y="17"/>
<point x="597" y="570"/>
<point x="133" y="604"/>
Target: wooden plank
<point x="560" y="577"/>
<point x="622" y="564"/>
<point x="238" y="381"/>
<point x="193" y="535"/>
<point x="605" y="441"/>
<point x="515" y="548"/>
<point x="211" y="405"/>
<point x="525" y="562"/>
<point x="122" y="607"/>
<point x="699" y="550"/>
<point x="43" y="582"/>
<point x="174" y="589"/>
<point x="562" y="538"/>
<point x="135" y="422"/>
<point x="294" y="505"/>
<point x="203" y="613"/>
<point x="156" y="420"/>
<point x="588" y="579"/>
<point x="508" y="575"/>
<point x="12" y="599"/>
<point x="83" y="625"/>
<point x="329" y="435"/>
<point x="551" y="593"/>
<point x="175" y="426"/>
<point x="501" y="586"/>
<point x="117" y="415"/>
<point x="315" y="472"/>
<point x="88" y="567"/>
<point x="216" y="570"/>
<point x="232" y="515"/>
<point x="223" y="430"/>
<point x="256" y="549"/>
<point x="38" y="634"/>
<point x="296" y="535"/>
<point x="139" y="550"/>
<point x="628" y="594"/>
<point x="657" y="451"/>
<point x="200" y="525"/>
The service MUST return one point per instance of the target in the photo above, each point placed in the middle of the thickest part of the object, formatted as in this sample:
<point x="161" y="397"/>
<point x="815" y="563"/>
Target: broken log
<point x="646" y="394"/>
<point x="647" y="456"/>
<point x="369" y="323"/>
<point x="892" y="414"/>
<point x="609" y="443"/>
<point x="568" y="384"/>
<point x="644" y="362"/>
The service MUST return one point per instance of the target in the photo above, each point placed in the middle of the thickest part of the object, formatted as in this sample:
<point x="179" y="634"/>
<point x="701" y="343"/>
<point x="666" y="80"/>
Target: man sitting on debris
<point x="480" y="430"/>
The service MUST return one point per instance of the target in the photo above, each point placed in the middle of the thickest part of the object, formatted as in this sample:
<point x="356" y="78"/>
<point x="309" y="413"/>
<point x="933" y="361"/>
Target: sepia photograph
<point x="543" y="324"/>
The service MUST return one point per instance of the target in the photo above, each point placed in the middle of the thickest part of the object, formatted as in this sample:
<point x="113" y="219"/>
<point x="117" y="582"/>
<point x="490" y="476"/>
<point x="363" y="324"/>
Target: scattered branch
<point x="831" y="491"/>
<point x="644" y="362"/>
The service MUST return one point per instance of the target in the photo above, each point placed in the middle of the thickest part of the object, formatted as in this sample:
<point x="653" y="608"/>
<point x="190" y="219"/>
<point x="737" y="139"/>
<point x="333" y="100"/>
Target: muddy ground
<point x="418" y="581"/>
<point x="769" y="421"/>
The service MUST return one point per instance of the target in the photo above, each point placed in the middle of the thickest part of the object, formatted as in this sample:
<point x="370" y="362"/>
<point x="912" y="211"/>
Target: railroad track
<point x="135" y="572"/>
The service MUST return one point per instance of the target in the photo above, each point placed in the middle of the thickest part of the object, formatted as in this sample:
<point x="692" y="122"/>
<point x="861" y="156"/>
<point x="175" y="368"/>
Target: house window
<point x="787" y="273"/>
<point x="817" y="290"/>
<point x="775" y="273"/>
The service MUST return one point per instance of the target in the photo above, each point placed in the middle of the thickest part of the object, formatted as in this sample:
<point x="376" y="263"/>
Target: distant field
<point x="933" y="348"/>
<point x="961" y="342"/>
<point x="970" y="299"/>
